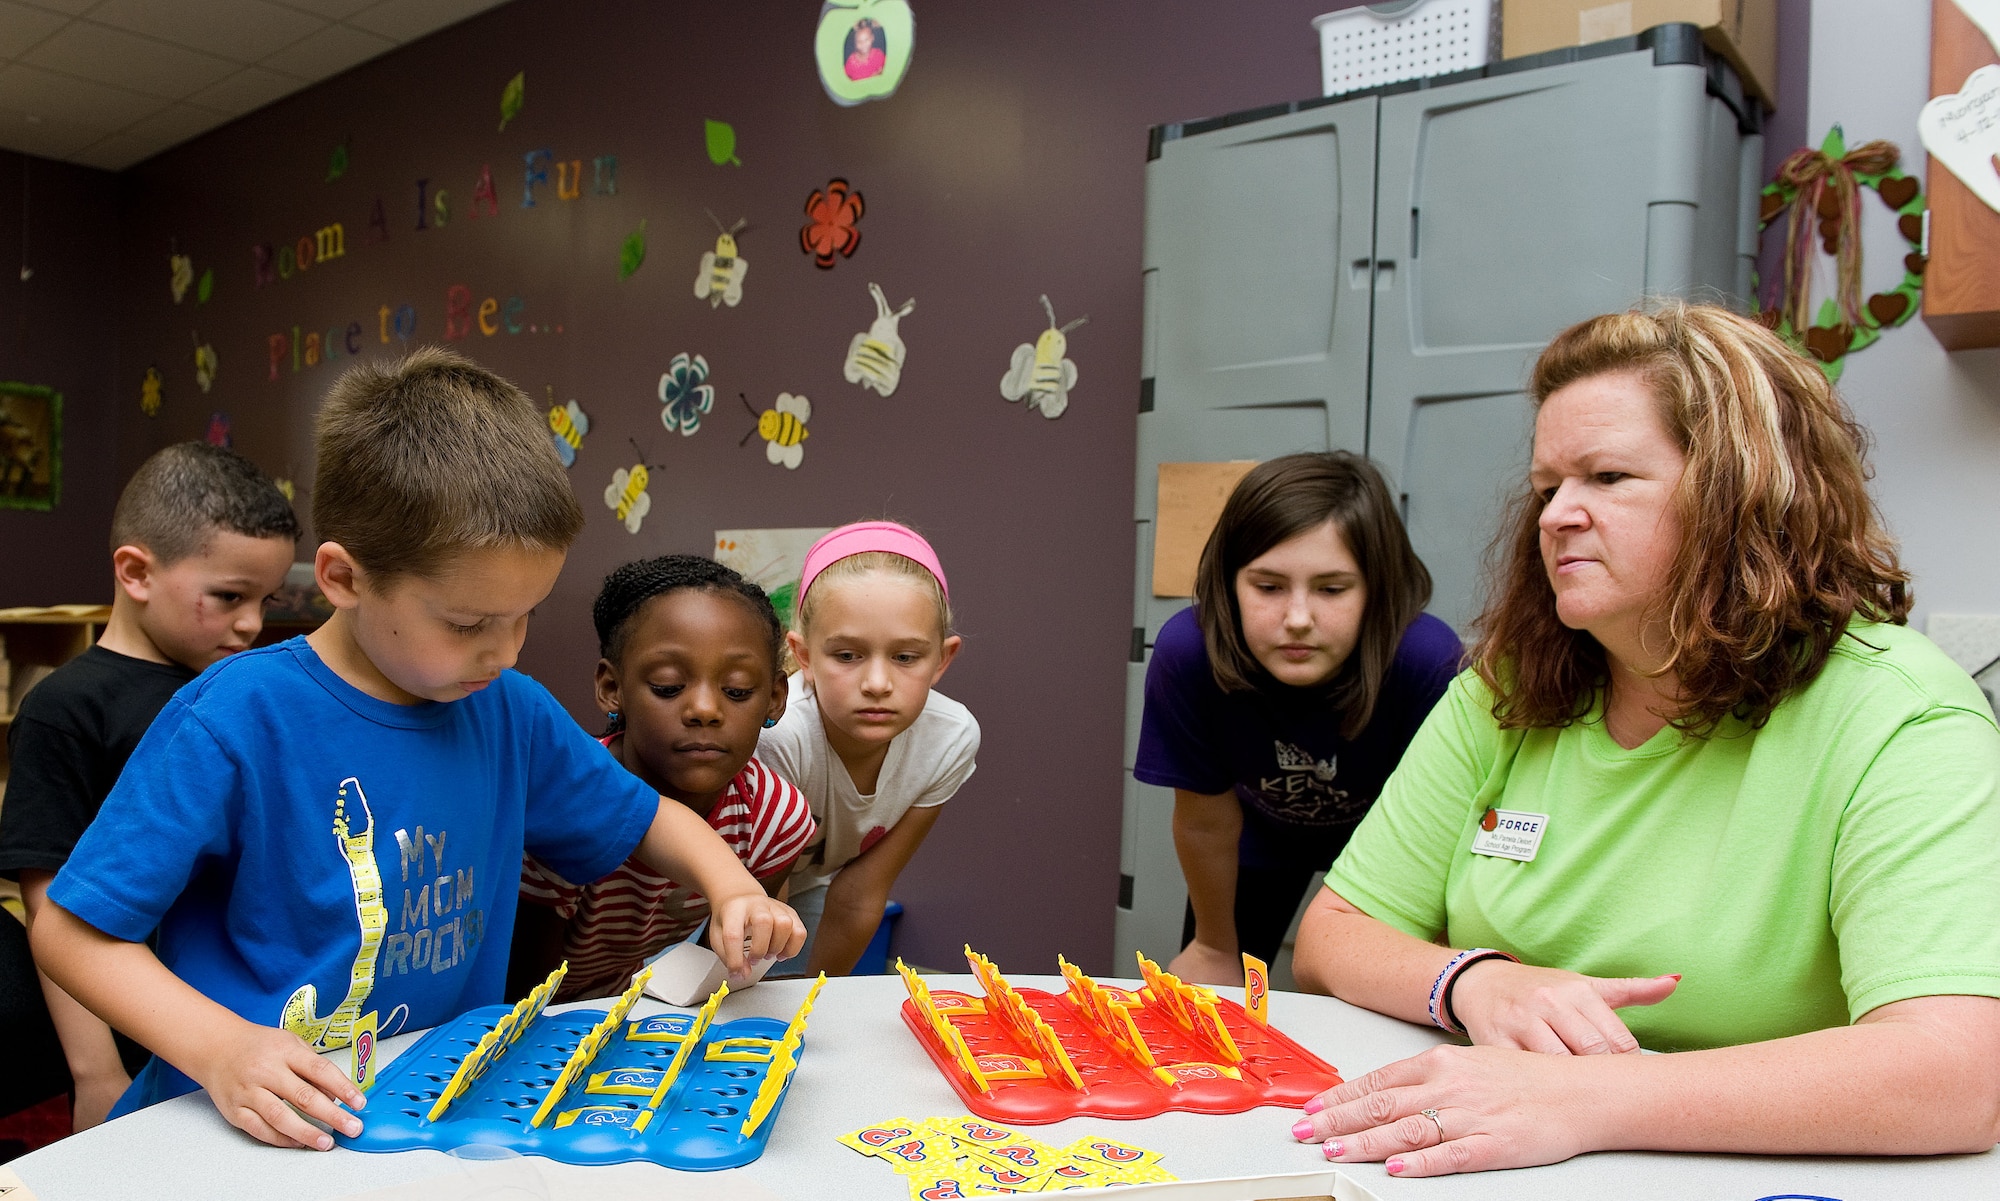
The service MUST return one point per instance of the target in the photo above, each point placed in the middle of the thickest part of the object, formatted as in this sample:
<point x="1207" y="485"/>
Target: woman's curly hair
<point x="1780" y="545"/>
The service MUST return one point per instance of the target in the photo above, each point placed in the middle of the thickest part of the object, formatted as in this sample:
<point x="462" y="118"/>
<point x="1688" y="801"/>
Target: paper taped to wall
<point x="1190" y="502"/>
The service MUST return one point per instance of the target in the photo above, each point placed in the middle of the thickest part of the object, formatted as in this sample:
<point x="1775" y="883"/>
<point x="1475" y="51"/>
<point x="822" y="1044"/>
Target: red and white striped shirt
<point x="624" y="919"/>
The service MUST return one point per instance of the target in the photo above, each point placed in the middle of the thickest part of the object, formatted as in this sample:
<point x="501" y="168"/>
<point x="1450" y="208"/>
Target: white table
<point x="862" y="1065"/>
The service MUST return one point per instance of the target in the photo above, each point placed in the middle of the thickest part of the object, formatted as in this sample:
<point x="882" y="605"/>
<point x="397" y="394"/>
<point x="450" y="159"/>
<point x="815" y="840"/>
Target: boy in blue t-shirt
<point x="329" y="831"/>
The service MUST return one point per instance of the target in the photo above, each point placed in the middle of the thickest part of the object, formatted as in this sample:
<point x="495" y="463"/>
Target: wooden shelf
<point x="1962" y="282"/>
<point x="40" y="637"/>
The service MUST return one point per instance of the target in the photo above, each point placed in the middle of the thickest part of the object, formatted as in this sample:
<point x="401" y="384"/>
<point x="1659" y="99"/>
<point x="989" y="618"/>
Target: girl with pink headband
<point x="875" y="749"/>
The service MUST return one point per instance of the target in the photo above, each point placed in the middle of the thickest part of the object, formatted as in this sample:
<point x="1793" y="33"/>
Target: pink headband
<point x="865" y="536"/>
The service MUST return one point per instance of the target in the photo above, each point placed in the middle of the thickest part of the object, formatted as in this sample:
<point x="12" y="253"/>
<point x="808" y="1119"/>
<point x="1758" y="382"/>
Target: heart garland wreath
<point x="1826" y="184"/>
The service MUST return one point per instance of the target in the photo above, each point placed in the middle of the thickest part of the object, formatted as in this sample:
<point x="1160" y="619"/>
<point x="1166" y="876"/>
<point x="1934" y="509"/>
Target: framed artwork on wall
<point x="30" y="446"/>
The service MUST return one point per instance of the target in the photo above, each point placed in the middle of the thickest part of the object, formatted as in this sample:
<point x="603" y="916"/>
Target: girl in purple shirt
<point x="1281" y="700"/>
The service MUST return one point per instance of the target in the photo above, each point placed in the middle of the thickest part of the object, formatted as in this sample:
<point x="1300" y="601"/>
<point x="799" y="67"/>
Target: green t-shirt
<point x="1844" y="856"/>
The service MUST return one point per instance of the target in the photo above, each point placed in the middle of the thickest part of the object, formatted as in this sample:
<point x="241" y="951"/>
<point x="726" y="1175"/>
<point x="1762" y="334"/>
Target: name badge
<point x="1510" y="834"/>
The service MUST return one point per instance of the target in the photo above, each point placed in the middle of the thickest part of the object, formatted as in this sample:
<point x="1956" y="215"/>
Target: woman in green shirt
<point x="1700" y="773"/>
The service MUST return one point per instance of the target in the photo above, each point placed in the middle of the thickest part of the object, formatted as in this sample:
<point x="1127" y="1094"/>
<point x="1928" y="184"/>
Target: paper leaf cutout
<point x="182" y="274"/>
<point x="336" y="164"/>
<point x="512" y="97"/>
<point x="829" y="229"/>
<point x="149" y="392"/>
<point x="1040" y="372"/>
<point x="1959" y="131"/>
<point x="205" y="286"/>
<point x="685" y="393"/>
<point x="205" y="364"/>
<point x="875" y="356"/>
<point x="722" y="144"/>
<point x="632" y="255"/>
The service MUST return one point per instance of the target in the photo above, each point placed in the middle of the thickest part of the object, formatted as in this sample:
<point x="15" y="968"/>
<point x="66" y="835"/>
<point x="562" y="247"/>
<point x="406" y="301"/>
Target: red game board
<point x="1028" y="1056"/>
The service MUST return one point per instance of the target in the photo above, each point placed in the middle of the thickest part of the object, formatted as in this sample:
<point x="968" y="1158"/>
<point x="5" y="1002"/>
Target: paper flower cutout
<point x="685" y="393"/>
<point x="829" y="228"/>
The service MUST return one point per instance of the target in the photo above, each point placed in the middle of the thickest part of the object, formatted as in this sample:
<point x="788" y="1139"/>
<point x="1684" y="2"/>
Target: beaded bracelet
<point x="1440" y="999"/>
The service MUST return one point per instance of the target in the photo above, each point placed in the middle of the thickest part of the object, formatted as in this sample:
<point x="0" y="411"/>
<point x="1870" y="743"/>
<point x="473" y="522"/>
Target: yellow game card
<point x="363" y="1047"/>
<point x="1256" y="989"/>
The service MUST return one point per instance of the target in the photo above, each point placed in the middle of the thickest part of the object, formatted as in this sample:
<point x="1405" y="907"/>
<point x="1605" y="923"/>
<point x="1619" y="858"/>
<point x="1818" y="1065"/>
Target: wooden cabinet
<point x="1962" y="282"/>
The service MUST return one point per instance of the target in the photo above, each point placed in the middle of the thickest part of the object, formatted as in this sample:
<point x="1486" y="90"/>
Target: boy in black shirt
<point x="200" y="539"/>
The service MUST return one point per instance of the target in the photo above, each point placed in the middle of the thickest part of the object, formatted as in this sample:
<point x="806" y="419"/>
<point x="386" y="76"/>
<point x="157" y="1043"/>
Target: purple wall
<point x="1010" y="164"/>
<point x="60" y="329"/>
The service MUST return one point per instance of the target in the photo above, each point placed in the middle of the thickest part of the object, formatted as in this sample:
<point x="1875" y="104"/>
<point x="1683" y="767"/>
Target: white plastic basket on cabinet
<point x="1410" y="39"/>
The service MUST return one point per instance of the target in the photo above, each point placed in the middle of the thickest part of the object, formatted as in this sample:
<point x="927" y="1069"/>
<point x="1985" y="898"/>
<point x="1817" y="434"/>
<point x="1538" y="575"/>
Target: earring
<point x="770" y="722"/>
<point x="613" y="715"/>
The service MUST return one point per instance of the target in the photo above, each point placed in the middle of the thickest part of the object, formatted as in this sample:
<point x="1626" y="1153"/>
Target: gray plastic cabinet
<point x="1377" y="272"/>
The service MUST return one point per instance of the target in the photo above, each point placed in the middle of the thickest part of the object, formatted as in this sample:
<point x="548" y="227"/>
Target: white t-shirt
<point x="925" y="766"/>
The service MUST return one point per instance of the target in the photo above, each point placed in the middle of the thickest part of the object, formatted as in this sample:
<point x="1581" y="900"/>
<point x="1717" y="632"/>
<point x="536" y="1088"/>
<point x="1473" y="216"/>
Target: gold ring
<point x="1432" y="1114"/>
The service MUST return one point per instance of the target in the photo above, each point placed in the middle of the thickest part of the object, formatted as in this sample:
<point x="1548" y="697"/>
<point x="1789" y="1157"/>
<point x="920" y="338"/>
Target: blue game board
<point x="696" y="1127"/>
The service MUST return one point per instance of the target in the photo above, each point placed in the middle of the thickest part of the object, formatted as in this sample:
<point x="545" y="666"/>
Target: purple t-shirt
<point x="1303" y="786"/>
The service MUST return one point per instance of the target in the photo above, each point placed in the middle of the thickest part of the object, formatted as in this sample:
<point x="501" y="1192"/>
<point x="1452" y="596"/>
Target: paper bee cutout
<point x="149" y="392"/>
<point x="626" y="496"/>
<point x="1040" y="372"/>
<point x="875" y="358"/>
<point x="829" y="228"/>
<point x="722" y="269"/>
<point x="183" y="274"/>
<point x="686" y="393"/>
<point x="567" y="426"/>
<point x="204" y="365"/>
<point x="783" y="429"/>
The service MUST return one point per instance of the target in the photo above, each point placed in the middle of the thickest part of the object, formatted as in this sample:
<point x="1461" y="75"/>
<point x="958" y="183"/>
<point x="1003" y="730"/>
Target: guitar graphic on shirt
<point x="301" y="1016"/>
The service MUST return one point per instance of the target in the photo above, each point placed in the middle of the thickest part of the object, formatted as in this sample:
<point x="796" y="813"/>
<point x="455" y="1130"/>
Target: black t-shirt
<point x="68" y="743"/>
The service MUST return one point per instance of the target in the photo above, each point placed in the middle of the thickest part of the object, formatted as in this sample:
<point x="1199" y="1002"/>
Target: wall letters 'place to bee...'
<point x="1040" y="371"/>
<point x="875" y="357"/>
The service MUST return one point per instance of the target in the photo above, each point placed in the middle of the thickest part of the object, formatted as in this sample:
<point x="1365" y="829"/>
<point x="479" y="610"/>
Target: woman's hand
<point x="1199" y="963"/>
<point x="1504" y="1004"/>
<point x="1496" y="1108"/>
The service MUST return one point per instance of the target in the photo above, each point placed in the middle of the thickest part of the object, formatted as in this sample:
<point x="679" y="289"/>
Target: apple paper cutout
<point x="863" y="48"/>
<point x="1962" y="131"/>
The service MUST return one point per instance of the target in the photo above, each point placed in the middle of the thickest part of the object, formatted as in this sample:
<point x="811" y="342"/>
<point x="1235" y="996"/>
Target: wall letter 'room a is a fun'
<point x="306" y="345"/>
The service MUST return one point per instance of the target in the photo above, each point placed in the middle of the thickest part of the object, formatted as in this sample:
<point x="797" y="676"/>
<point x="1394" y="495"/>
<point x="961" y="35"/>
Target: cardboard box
<point x="1743" y="31"/>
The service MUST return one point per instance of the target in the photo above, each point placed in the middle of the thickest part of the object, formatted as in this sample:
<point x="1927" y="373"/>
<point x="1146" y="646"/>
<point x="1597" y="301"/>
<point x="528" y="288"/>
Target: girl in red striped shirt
<point x="689" y="673"/>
